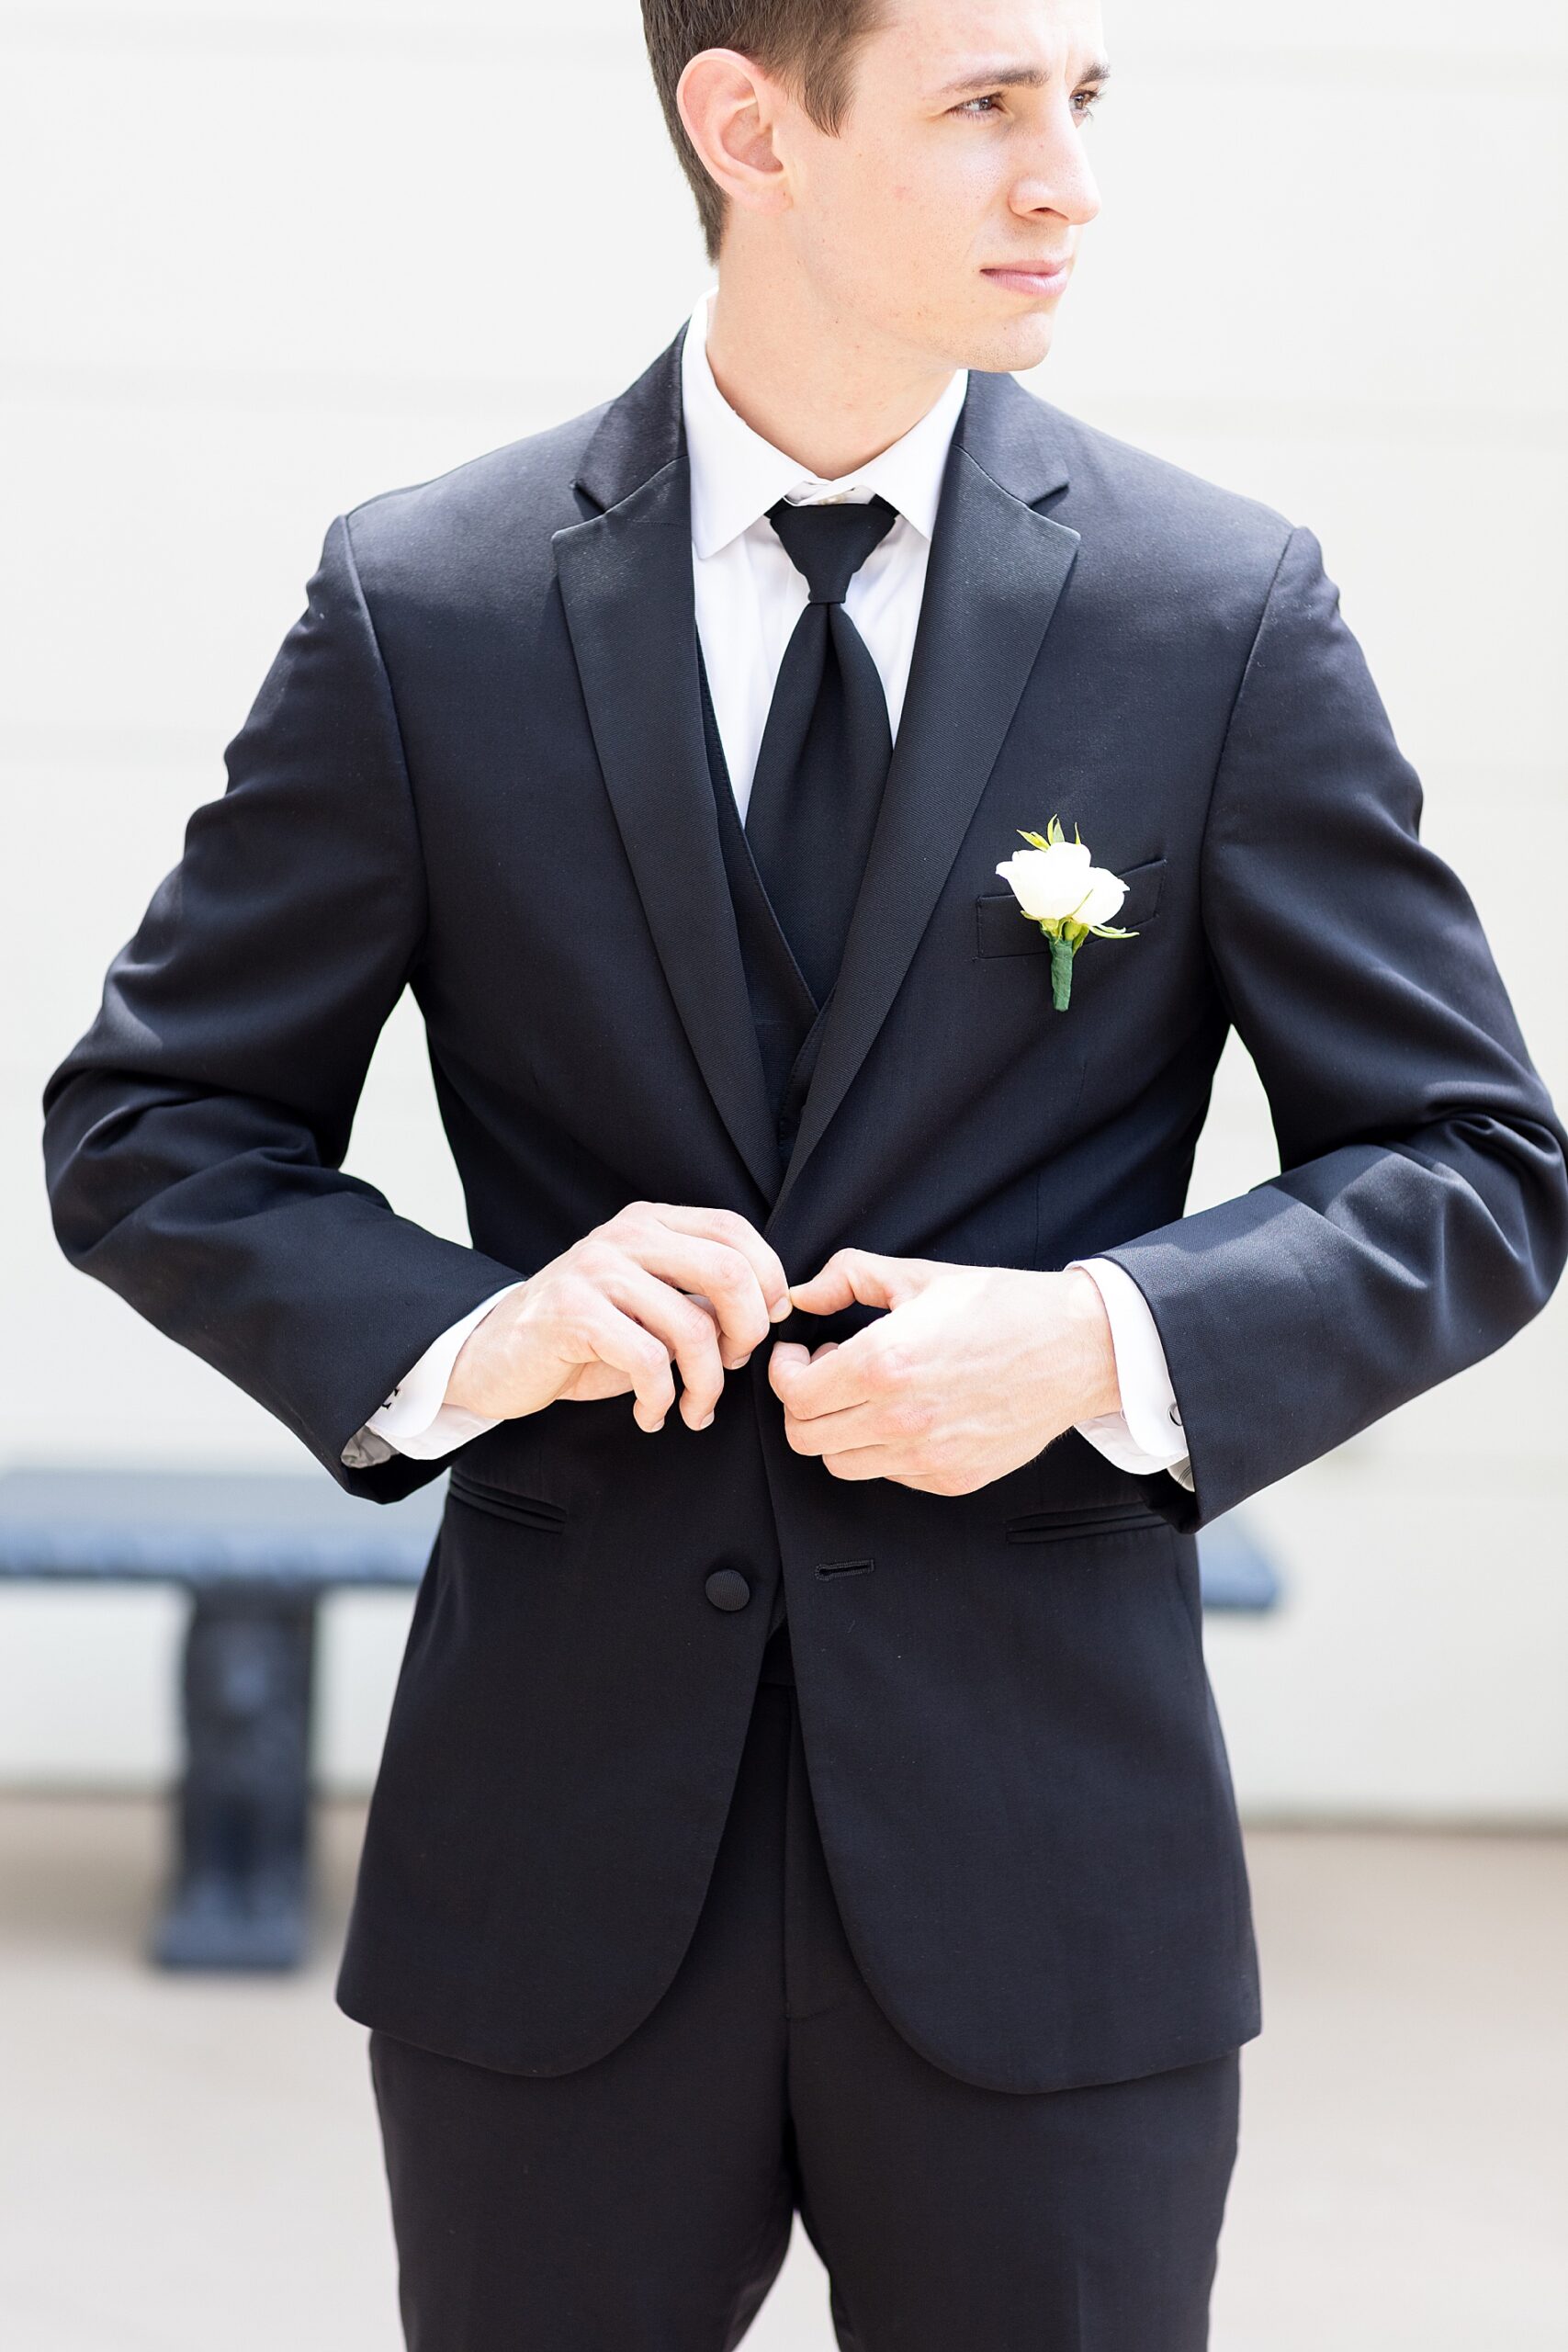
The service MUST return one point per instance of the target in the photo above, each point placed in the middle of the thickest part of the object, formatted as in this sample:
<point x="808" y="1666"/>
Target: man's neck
<point x="813" y="383"/>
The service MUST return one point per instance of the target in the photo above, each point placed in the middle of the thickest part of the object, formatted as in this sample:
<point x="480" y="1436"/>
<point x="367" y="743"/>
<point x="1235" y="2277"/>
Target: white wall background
<point x="264" y="263"/>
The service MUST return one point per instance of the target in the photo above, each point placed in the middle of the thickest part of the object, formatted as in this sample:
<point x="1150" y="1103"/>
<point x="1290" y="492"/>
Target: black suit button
<point x="727" y="1589"/>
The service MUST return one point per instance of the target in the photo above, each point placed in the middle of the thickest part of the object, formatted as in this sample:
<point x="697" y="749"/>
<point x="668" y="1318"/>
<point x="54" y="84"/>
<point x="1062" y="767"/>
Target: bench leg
<point x="241" y="1894"/>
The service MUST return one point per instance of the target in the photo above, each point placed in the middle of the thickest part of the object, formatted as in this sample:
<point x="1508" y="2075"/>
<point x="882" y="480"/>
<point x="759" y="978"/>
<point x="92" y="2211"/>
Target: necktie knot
<point x="829" y="544"/>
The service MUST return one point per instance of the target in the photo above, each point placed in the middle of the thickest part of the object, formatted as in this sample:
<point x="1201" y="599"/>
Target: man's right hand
<point x="655" y="1286"/>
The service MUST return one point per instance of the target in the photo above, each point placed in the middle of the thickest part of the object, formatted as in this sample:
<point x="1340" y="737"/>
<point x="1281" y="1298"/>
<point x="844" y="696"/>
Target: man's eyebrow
<point x="1016" y="77"/>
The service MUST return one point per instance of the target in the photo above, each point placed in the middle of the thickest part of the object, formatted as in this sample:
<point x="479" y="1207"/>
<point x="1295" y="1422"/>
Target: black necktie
<point x="827" y="744"/>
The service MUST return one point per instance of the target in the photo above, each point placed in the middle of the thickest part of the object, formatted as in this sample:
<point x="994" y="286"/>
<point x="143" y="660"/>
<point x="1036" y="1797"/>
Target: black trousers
<point x="644" y="2203"/>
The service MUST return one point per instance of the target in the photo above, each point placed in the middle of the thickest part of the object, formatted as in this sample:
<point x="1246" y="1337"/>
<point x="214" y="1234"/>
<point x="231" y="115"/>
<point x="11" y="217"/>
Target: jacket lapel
<point x="996" y="571"/>
<point x="625" y="583"/>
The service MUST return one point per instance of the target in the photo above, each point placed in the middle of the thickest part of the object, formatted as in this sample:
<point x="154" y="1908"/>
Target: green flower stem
<point x="1061" y="973"/>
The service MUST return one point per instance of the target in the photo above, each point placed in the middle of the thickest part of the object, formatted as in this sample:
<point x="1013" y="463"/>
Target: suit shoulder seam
<point x="1246" y="669"/>
<point x="398" y="737"/>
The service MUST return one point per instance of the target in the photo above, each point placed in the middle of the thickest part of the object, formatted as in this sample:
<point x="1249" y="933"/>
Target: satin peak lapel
<point x="997" y="570"/>
<point x="625" y="583"/>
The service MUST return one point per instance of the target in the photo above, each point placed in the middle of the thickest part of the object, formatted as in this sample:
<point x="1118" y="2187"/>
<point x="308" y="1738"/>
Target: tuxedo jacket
<point x="477" y="770"/>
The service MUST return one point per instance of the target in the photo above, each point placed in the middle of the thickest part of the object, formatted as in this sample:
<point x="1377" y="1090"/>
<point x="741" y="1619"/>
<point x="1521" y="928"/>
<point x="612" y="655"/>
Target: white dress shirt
<point x="749" y="597"/>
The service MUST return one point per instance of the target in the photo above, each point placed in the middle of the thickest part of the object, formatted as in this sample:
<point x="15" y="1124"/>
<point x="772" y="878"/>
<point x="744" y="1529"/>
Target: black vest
<point x="789" y="1024"/>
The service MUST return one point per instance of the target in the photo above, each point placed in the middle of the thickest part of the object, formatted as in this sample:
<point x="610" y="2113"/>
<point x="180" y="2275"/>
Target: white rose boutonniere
<point x="1071" y="898"/>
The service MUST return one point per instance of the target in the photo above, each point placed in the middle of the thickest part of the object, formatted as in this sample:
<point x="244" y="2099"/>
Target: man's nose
<point x="1059" y="179"/>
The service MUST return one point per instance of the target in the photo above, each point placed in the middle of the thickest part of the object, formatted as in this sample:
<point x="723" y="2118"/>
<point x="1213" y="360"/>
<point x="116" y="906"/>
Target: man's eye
<point x="1084" y="103"/>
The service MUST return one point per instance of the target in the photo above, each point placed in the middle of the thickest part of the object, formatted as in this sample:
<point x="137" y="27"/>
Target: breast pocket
<point x="1002" y="927"/>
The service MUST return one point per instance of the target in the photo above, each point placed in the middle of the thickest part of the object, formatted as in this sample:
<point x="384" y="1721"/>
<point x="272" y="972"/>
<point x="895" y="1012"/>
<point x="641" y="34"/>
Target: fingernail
<point x="704" y="1424"/>
<point x="785" y="1306"/>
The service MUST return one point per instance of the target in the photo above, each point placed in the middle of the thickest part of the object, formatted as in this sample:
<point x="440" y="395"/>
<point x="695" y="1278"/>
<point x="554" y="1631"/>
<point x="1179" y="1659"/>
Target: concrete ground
<point x="191" y="2166"/>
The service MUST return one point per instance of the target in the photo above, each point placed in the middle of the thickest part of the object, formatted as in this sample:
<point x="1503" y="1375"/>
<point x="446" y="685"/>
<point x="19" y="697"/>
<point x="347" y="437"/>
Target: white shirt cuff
<point x="1146" y="1434"/>
<point x="414" y="1419"/>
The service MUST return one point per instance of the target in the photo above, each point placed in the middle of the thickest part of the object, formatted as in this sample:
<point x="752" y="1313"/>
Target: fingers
<point x="860" y="1462"/>
<point x="890" y="1422"/>
<point x="723" y="1277"/>
<point x="861" y="1277"/>
<point x="669" y="1284"/>
<point x="898" y="1468"/>
<point x="687" y="1332"/>
<point x="601" y="1333"/>
<point x="731" y="1356"/>
<point x="929" y="1470"/>
<point x="862" y="1370"/>
<point x="696" y="1289"/>
<point x="727" y="1231"/>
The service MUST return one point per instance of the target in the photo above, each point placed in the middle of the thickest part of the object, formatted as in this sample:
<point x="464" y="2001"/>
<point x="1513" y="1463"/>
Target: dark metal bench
<point x="257" y="1553"/>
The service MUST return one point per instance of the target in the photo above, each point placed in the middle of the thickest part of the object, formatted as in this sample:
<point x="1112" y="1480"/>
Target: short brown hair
<point x="809" y="44"/>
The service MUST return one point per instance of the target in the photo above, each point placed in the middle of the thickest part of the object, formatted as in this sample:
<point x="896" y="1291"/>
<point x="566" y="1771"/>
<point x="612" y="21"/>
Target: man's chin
<point x="1006" y="345"/>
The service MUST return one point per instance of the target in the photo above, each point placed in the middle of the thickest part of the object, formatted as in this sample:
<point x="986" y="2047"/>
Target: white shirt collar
<point x="737" y="476"/>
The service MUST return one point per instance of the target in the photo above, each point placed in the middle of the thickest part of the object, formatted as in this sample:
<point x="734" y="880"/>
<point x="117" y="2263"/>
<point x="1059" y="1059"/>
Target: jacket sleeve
<point x="194" y="1139"/>
<point x="1420" y="1215"/>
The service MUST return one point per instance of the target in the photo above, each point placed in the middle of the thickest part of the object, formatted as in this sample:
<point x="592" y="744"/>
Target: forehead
<point x="939" y="39"/>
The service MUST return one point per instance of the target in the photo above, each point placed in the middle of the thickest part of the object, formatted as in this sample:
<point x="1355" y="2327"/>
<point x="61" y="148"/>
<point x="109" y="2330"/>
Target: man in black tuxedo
<point x="811" y="1796"/>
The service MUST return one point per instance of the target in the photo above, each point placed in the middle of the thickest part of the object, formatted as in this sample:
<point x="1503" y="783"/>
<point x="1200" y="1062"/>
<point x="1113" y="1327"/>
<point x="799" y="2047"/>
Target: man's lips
<point x="1045" y="276"/>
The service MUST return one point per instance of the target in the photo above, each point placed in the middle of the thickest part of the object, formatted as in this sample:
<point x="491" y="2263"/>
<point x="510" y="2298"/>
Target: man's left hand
<point x="971" y="1371"/>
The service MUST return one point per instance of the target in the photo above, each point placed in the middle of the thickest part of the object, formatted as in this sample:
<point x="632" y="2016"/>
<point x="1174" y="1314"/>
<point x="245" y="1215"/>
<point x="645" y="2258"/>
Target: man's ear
<point x="729" y="108"/>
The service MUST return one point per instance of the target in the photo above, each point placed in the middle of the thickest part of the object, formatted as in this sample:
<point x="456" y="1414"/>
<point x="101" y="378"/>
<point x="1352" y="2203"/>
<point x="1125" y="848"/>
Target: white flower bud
<point x="1048" y="883"/>
<point x="1052" y="885"/>
<point x="1106" y="893"/>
